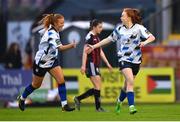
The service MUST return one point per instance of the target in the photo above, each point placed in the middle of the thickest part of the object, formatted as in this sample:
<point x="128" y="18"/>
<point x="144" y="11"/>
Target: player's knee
<point x="36" y="85"/>
<point x="130" y="81"/>
<point x="96" y="87"/>
<point x="60" y="81"/>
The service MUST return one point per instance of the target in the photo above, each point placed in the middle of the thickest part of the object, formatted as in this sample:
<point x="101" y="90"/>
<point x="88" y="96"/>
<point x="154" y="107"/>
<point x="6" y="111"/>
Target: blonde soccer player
<point x="46" y="60"/>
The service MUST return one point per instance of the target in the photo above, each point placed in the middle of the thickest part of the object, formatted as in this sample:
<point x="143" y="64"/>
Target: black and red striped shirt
<point x="94" y="56"/>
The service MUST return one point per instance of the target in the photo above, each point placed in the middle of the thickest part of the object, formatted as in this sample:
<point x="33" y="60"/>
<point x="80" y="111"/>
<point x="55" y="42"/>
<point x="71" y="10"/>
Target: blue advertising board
<point x="12" y="82"/>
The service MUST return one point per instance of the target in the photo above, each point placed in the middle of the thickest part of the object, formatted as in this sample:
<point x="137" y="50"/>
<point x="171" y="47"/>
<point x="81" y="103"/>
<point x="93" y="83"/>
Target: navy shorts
<point x="42" y="71"/>
<point x="92" y="70"/>
<point x="135" y="67"/>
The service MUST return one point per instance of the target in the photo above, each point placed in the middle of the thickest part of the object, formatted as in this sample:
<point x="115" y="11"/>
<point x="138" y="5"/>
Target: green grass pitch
<point x="148" y="112"/>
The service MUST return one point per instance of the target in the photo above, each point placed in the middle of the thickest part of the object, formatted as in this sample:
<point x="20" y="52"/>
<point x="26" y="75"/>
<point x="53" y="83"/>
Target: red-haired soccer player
<point x="131" y="36"/>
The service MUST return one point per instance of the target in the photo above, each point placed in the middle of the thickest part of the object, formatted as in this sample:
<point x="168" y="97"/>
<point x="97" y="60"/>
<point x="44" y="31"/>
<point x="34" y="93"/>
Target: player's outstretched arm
<point x="90" y="48"/>
<point x="66" y="47"/>
<point x="101" y="43"/>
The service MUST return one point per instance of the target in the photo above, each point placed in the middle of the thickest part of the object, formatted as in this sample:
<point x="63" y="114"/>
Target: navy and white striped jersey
<point x="47" y="52"/>
<point x="128" y="41"/>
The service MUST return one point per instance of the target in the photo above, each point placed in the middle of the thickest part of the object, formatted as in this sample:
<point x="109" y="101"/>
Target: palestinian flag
<point x="71" y="84"/>
<point x="159" y="84"/>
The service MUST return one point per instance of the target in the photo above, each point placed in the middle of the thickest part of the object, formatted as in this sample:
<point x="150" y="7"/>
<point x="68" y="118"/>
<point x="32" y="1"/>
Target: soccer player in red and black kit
<point x="90" y="65"/>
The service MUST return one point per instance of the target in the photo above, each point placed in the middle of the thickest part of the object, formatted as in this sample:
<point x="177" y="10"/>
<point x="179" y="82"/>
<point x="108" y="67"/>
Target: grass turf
<point x="148" y="112"/>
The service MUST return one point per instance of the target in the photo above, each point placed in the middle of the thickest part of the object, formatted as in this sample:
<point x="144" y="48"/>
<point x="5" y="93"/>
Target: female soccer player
<point x="130" y="35"/>
<point x="46" y="59"/>
<point x="90" y="65"/>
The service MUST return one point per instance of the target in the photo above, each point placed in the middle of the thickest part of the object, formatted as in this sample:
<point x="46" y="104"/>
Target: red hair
<point x="134" y="14"/>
